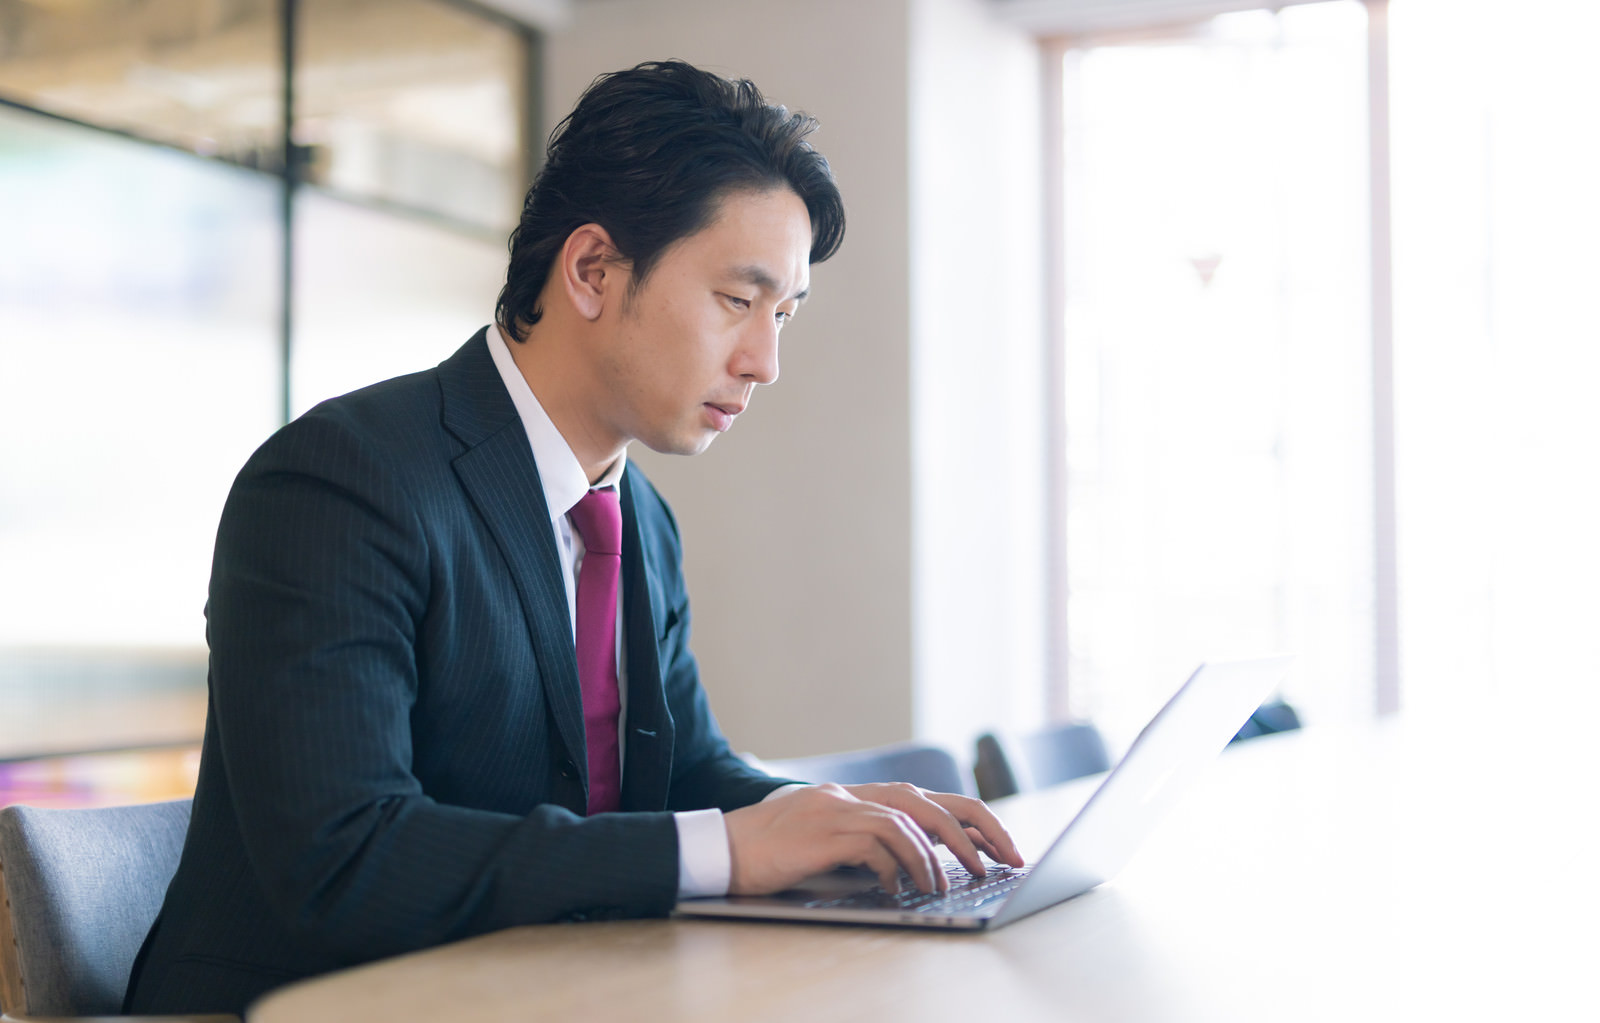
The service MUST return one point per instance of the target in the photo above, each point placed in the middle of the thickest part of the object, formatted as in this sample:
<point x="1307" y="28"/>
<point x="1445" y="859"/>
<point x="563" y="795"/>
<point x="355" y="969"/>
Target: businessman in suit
<point x="451" y="686"/>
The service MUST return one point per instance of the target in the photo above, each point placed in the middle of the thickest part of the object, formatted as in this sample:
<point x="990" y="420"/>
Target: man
<point x="451" y="689"/>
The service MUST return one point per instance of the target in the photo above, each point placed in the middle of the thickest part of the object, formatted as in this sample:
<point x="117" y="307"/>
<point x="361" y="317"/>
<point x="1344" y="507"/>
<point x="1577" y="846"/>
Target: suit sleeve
<point x="320" y="578"/>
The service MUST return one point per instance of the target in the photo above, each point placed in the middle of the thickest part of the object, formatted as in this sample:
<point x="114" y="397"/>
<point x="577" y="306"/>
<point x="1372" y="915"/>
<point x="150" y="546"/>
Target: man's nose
<point x="757" y="357"/>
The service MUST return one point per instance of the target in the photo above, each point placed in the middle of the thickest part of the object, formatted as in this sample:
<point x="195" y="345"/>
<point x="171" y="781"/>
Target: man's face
<point x="701" y="332"/>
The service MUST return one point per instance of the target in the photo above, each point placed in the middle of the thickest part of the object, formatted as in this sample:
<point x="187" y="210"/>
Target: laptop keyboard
<point x="967" y="892"/>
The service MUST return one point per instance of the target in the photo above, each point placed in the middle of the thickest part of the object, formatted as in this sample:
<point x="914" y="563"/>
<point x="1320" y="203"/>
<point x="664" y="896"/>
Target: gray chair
<point x="1005" y="766"/>
<point x="926" y="766"/>
<point x="1270" y="718"/>
<point x="81" y="889"/>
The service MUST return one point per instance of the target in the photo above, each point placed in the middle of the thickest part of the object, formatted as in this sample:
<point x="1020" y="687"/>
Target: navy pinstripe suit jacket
<point x="394" y="755"/>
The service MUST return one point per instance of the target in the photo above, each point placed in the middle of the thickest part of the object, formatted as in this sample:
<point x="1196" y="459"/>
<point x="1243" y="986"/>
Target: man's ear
<point x="592" y="270"/>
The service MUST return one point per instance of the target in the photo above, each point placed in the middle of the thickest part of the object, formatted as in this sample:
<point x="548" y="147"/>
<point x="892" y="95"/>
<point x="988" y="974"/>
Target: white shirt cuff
<point x="705" y="866"/>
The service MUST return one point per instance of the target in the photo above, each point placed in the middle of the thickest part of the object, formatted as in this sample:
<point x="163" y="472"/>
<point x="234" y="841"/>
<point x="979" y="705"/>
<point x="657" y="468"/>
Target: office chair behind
<point x="926" y="766"/>
<point x="1007" y="765"/>
<point x="81" y="889"/>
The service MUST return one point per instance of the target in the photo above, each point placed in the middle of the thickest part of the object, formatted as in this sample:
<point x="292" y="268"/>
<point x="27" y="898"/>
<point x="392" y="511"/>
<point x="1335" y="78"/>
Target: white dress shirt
<point x="704" y="864"/>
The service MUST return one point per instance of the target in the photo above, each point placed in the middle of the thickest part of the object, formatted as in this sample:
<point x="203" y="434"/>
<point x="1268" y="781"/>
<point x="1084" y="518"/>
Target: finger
<point x="983" y="844"/>
<point x="929" y="813"/>
<point x="899" y="836"/>
<point x="966" y="852"/>
<point x="919" y="857"/>
<point x="973" y="813"/>
<point x="944" y="826"/>
<point x="911" y="847"/>
<point x="877" y="858"/>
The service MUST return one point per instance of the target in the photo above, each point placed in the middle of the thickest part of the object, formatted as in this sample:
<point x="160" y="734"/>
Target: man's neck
<point x="560" y="383"/>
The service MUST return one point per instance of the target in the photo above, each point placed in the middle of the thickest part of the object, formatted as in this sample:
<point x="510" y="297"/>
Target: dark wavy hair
<point x="648" y="154"/>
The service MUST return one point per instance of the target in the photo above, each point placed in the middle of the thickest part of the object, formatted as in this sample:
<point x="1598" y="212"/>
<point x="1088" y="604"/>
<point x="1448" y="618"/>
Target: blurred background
<point x="1164" y="330"/>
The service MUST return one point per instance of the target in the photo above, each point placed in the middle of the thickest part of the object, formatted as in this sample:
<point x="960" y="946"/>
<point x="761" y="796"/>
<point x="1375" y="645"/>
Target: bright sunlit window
<point x="1217" y="359"/>
<point x="1219" y="343"/>
<point x="1497" y="350"/>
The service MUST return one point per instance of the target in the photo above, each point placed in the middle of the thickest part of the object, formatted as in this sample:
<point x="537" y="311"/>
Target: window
<point x="138" y="335"/>
<point x="352" y="263"/>
<point x="412" y="107"/>
<point x="414" y="102"/>
<point x="206" y="77"/>
<point x="1216" y="359"/>
<point x="1497" y="352"/>
<point x="1229" y="325"/>
<point x="149" y="331"/>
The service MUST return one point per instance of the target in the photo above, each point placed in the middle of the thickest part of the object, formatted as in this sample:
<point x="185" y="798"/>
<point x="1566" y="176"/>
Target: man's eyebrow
<point x="765" y="281"/>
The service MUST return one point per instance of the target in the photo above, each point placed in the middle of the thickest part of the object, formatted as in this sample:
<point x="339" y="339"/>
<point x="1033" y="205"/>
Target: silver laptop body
<point x="1184" y="736"/>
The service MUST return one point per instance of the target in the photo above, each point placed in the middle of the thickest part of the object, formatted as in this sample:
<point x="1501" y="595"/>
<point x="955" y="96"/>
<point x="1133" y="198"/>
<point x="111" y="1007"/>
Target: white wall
<point x="978" y="415"/>
<point x="799" y="526"/>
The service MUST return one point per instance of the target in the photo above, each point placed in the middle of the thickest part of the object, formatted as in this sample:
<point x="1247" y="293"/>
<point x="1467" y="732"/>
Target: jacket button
<point x="569" y="770"/>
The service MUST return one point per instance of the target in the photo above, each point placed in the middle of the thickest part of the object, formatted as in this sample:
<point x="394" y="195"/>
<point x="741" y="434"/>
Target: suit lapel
<point x="497" y="471"/>
<point x="647" y="770"/>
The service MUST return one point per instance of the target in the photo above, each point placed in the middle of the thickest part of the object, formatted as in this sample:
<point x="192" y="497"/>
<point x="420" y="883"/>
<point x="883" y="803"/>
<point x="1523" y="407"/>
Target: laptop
<point x="1184" y="736"/>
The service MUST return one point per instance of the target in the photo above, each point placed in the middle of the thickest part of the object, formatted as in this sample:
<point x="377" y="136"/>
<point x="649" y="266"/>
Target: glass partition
<point x="416" y="103"/>
<point x="379" y="295"/>
<point x="144" y="307"/>
<point x="204" y="76"/>
<point x="138" y="354"/>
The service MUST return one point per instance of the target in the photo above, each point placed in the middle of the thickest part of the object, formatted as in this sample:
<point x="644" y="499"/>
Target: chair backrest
<point x="81" y="890"/>
<point x="1270" y="718"/>
<point x="926" y="766"/>
<point x="1005" y="766"/>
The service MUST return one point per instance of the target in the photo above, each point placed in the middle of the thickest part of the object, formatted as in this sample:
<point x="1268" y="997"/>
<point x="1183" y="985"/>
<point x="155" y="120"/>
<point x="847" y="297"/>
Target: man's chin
<point x="690" y="445"/>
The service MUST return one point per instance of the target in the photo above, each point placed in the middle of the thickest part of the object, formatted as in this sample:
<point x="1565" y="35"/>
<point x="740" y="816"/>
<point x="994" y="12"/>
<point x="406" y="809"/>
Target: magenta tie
<point x="599" y="520"/>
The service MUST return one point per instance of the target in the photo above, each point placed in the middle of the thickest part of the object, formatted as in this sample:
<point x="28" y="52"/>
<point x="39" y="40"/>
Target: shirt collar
<point x="560" y="473"/>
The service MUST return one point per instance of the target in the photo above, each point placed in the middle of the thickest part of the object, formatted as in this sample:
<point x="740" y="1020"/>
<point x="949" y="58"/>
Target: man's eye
<point x="737" y="302"/>
<point x="784" y="317"/>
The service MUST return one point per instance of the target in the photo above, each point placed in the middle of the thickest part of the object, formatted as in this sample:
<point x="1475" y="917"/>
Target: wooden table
<point x="1399" y="873"/>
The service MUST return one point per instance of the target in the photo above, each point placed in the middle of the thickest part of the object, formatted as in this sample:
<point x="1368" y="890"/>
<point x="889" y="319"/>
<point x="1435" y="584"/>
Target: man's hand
<point x="883" y="827"/>
<point x="965" y="825"/>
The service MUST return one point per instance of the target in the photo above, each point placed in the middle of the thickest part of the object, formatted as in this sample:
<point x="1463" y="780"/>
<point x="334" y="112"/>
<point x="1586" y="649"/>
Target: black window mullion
<point x="289" y="165"/>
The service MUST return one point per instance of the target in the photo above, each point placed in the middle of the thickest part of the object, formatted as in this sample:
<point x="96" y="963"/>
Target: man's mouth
<point x="722" y="415"/>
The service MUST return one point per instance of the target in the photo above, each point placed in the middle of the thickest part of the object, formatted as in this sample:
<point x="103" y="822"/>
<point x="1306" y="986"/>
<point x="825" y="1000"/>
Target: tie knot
<point x="599" y="520"/>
